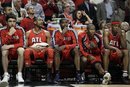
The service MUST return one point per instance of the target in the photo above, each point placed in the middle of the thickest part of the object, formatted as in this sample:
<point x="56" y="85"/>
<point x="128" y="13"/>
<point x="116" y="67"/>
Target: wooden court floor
<point x="77" y="85"/>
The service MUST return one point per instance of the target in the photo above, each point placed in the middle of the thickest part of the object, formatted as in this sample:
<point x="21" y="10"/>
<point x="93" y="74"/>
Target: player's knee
<point x="107" y="52"/>
<point x="76" y="50"/>
<point x="84" y="59"/>
<point x="20" y="51"/>
<point x="125" y="52"/>
<point x="50" y="52"/>
<point x="5" y="53"/>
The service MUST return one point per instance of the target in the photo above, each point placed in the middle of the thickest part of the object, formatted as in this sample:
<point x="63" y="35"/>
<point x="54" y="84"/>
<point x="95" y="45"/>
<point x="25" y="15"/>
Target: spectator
<point x="77" y="3"/>
<point x="61" y="3"/>
<point x="66" y="12"/>
<point x="37" y="7"/>
<point x="7" y="10"/>
<point x="28" y="22"/>
<point x="80" y="17"/>
<point x="127" y="11"/>
<point x="18" y="11"/>
<point x="50" y="8"/>
<point x="90" y="11"/>
<point x="105" y="10"/>
<point x="6" y="1"/>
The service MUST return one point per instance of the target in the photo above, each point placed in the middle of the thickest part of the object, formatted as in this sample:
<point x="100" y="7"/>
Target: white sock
<point x="125" y="74"/>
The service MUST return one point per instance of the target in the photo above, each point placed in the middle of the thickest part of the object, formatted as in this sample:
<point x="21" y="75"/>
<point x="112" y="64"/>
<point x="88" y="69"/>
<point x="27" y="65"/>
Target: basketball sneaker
<point x="106" y="78"/>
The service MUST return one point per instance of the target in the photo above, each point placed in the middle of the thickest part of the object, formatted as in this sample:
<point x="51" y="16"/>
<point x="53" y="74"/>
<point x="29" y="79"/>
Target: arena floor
<point x="76" y="85"/>
<point x="66" y="84"/>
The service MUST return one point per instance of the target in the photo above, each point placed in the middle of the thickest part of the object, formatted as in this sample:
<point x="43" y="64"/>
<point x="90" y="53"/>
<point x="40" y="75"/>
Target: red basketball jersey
<point x="114" y="40"/>
<point x="36" y="38"/>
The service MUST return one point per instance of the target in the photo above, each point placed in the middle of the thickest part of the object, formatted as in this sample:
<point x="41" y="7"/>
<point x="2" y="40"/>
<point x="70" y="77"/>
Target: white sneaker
<point x="6" y="77"/>
<point x="19" y="77"/>
<point x="106" y="78"/>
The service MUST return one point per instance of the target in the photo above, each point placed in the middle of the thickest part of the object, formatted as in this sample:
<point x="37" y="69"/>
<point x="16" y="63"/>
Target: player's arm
<point x="74" y="39"/>
<point x="106" y="40"/>
<point x="80" y="37"/>
<point x="21" y="39"/>
<point x="27" y="36"/>
<point x="48" y="36"/>
<point x="123" y="39"/>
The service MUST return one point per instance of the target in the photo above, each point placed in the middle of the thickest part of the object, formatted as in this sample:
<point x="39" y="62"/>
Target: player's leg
<point x="57" y="65"/>
<point x="107" y="75"/>
<point x="77" y="64"/>
<point x="5" y="61"/>
<point x="29" y="55"/>
<point x="50" y="60"/>
<point x="20" y="61"/>
<point x="106" y="59"/>
<point x="125" y="65"/>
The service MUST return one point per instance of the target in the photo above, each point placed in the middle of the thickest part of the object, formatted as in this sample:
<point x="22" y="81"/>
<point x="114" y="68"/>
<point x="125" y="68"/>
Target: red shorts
<point x="13" y="54"/>
<point x="97" y="59"/>
<point x="67" y="54"/>
<point x="114" y="57"/>
<point x="31" y="55"/>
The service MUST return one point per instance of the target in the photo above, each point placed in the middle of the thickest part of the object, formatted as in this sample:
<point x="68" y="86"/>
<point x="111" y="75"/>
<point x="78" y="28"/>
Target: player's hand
<point x="119" y="31"/>
<point x="118" y="51"/>
<point x="57" y="47"/>
<point x="12" y="31"/>
<point x="62" y="47"/>
<point x="6" y="47"/>
<point x="92" y="45"/>
<point x="91" y="58"/>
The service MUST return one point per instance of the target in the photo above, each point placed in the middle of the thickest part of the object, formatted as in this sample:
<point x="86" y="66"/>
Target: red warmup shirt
<point x="84" y="43"/>
<point x="17" y="39"/>
<point x="36" y="38"/>
<point x="6" y="1"/>
<point x="27" y="24"/>
<point x="69" y="38"/>
<point x="24" y="2"/>
<point x="114" y="40"/>
<point x="49" y="9"/>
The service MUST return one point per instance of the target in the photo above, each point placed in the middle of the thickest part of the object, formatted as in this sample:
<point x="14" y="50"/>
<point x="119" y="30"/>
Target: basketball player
<point x="36" y="50"/>
<point x="116" y="48"/>
<point x="65" y="44"/>
<point x="12" y="41"/>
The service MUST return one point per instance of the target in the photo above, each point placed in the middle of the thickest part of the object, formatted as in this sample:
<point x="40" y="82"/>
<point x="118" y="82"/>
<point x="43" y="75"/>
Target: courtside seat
<point x="67" y="71"/>
<point x="92" y="75"/>
<point x="116" y="71"/>
<point x="37" y="71"/>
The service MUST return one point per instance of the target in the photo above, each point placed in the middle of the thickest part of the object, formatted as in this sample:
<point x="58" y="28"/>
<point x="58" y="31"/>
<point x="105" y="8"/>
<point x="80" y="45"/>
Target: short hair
<point x="90" y="25"/>
<point x="62" y="19"/>
<point x="36" y="18"/>
<point x="10" y="15"/>
<point x="14" y="2"/>
<point x="27" y="8"/>
<point x="4" y="5"/>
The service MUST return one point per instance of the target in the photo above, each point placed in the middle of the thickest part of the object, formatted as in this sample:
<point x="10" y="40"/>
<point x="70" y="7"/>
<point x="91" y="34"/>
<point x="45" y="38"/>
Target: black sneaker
<point x="48" y="78"/>
<point x="57" y="78"/>
<point x="79" y="78"/>
<point x="125" y="80"/>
